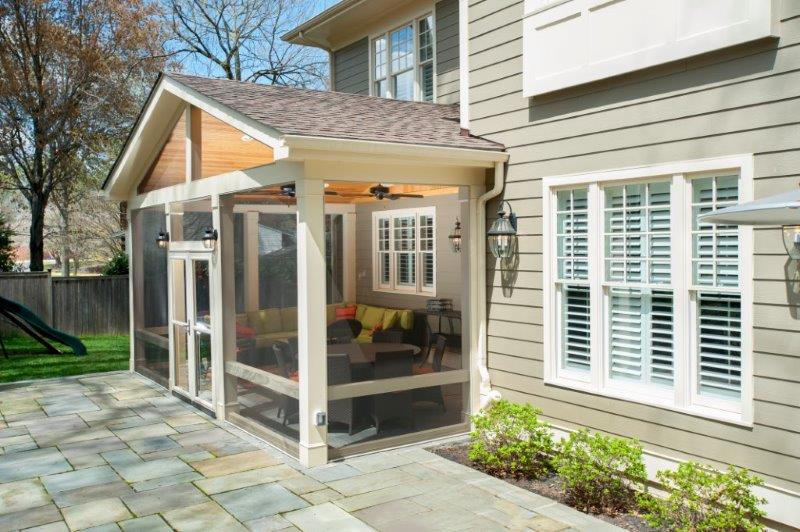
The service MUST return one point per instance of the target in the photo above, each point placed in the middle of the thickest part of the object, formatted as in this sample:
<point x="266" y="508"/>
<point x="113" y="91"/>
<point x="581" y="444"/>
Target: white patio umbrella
<point x="780" y="209"/>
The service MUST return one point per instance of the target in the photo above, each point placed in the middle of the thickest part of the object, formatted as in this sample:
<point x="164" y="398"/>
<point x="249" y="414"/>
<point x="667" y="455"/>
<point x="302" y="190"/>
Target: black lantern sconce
<point x="162" y="239"/>
<point x="503" y="233"/>
<point x="455" y="237"/>
<point x="210" y="238"/>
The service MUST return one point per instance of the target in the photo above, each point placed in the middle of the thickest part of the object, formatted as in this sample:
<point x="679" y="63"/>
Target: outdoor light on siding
<point x="503" y="233"/>
<point x="162" y="239"/>
<point x="455" y="238"/>
<point x="210" y="238"/>
<point x="791" y="239"/>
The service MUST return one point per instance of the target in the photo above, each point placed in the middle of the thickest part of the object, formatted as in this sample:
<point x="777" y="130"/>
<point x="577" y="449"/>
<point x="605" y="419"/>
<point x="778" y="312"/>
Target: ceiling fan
<point x="381" y="192"/>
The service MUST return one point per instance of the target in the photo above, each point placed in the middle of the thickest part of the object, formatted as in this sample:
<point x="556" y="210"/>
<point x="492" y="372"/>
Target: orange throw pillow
<point x="346" y="313"/>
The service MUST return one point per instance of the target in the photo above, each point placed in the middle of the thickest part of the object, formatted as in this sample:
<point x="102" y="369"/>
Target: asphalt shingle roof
<point x="313" y="113"/>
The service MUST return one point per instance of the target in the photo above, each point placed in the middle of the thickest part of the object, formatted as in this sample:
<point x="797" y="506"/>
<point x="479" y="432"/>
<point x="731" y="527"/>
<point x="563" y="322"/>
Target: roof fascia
<point x="308" y="147"/>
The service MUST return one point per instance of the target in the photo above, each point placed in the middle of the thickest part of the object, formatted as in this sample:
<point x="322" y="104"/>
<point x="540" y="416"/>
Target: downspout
<point x="487" y="394"/>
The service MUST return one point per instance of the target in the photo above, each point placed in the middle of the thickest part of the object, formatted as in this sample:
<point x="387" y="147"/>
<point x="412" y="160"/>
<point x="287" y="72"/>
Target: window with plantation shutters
<point x="642" y="301"/>
<point x="572" y="243"/>
<point x="405" y="250"/>
<point x="715" y="275"/>
<point x="638" y="293"/>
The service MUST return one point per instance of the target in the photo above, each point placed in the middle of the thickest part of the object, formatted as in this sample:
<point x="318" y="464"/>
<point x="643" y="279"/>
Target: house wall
<point x="740" y="100"/>
<point x="447" y="64"/>
<point x="351" y="63"/>
<point x="448" y="264"/>
<point x="351" y="68"/>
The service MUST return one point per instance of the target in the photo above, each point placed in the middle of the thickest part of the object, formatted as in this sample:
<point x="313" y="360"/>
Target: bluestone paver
<point x="119" y="453"/>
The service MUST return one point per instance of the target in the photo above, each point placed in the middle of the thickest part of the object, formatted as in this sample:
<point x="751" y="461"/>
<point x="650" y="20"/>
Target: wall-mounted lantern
<point x="162" y="239"/>
<point x="503" y="233"/>
<point x="455" y="237"/>
<point x="210" y="238"/>
<point x="791" y="240"/>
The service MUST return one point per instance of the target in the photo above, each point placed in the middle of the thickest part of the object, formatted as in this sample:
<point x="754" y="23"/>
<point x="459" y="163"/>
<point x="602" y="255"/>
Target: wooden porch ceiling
<point x="341" y="192"/>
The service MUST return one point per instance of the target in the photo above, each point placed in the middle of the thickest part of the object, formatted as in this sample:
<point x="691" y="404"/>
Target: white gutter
<point x="487" y="394"/>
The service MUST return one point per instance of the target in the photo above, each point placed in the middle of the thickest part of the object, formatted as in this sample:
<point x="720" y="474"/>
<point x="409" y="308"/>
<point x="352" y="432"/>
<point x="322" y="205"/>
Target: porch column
<point x="223" y="305"/>
<point x="251" y="288"/>
<point x="174" y="226"/>
<point x="311" y="300"/>
<point x="468" y="197"/>
<point x="349" y="257"/>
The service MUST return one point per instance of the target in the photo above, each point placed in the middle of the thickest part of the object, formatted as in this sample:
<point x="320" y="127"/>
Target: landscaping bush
<point x="509" y="440"/>
<point x="702" y="499"/>
<point x="116" y="265"/>
<point x="601" y="474"/>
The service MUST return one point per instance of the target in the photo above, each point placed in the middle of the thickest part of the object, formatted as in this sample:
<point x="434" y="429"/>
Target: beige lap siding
<point x="741" y="100"/>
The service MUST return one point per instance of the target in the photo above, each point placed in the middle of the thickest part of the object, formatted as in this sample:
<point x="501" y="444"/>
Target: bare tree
<point x="240" y="40"/>
<point x="72" y="75"/>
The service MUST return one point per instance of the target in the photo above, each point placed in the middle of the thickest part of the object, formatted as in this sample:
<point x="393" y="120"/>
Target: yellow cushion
<point x="265" y="321"/>
<point x="365" y="337"/>
<point x="407" y="319"/>
<point x="372" y="317"/>
<point x="390" y="318"/>
<point x="360" y="310"/>
<point x="289" y="318"/>
<point x="330" y="315"/>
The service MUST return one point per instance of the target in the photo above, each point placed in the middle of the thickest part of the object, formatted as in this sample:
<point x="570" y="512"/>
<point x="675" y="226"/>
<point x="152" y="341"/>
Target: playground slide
<point x="34" y="326"/>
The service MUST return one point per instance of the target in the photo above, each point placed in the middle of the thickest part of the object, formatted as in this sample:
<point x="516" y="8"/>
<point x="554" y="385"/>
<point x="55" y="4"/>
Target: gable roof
<point x="313" y="113"/>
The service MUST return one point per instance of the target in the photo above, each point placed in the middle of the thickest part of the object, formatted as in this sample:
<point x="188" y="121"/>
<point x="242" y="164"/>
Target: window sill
<point x="401" y="292"/>
<point x="733" y="418"/>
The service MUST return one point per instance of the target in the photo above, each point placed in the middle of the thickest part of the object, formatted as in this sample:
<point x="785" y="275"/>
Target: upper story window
<point x="402" y="62"/>
<point x="404" y="250"/>
<point x="645" y="302"/>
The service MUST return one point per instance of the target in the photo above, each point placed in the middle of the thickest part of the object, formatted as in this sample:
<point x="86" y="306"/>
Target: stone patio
<point x="114" y="451"/>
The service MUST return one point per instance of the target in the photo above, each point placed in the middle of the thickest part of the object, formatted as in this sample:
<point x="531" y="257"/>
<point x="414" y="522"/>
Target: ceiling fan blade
<point x="396" y="196"/>
<point x="331" y="193"/>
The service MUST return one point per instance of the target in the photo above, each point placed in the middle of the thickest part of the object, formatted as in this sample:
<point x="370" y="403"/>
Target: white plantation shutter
<point x="405" y="250"/>
<point x="720" y="344"/>
<point x="575" y="319"/>
<point x="572" y="235"/>
<point x="637" y="252"/>
<point x="715" y="273"/>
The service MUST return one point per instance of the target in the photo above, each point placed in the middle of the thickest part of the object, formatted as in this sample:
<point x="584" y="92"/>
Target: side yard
<point x="29" y="360"/>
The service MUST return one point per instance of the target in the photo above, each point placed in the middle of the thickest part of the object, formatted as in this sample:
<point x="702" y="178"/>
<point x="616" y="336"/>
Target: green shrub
<point x="601" y="474"/>
<point x="510" y="441"/>
<point x="702" y="499"/>
<point x="116" y="265"/>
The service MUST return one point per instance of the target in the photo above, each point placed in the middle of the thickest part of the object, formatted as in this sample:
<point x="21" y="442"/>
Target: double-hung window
<point x="404" y="250"/>
<point x="403" y="62"/>
<point x="643" y="301"/>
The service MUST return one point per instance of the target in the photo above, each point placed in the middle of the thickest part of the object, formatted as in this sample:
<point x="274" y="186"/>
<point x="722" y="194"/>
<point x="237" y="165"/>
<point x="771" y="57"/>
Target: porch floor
<point x="114" y="450"/>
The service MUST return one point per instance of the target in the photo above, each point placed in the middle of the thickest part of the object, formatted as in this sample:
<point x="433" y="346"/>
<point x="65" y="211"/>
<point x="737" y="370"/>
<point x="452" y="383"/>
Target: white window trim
<point x="392" y="287"/>
<point x="414" y="22"/>
<point x="684" y="399"/>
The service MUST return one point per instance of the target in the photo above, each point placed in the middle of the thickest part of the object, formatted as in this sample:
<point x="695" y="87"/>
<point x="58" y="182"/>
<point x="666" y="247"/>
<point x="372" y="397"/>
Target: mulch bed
<point x="549" y="487"/>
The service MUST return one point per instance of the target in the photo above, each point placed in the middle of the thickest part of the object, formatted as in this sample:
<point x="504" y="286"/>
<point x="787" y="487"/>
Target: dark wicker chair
<point x="433" y="393"/>
<point x="340" y="410"/>
<point x="288" y="406"/>
<point x="344" y="331"/>
<point x="394" y="405"/>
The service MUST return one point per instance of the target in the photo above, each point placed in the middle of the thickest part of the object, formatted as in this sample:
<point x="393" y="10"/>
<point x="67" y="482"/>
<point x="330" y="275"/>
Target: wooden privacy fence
<point x="76" y="305"/>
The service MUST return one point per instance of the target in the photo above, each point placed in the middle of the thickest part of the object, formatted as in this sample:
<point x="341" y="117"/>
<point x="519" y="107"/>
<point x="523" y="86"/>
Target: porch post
<point x="349" y="257"/>
<point x="469" y="263"/>
<point x="223" y="305"/>
<point x="311" y="300"/>
<point x="251" y="288"/>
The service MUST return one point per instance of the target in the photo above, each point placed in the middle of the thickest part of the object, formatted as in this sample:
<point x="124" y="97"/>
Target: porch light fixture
<point x="162" y="239"/>
<point x="210" y="238"/>
<point x="455" y="237"/>
<point x="503" y="233"/>
<point x="791" y="240"/>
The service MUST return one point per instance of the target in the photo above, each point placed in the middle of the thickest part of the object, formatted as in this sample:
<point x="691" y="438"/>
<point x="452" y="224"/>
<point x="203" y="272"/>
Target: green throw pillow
<point x="372" y="317"/>
<point x="360" y="310"/>
<point x="407" y="320"/>
<point x="390" y="318"/>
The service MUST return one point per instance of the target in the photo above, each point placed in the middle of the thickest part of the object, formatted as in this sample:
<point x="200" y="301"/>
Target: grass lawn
<point x="29" y="360"/>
